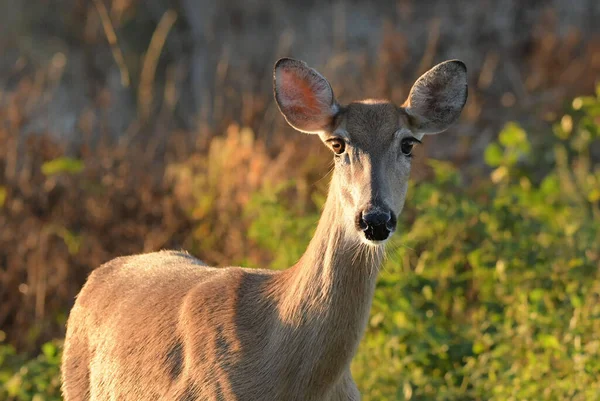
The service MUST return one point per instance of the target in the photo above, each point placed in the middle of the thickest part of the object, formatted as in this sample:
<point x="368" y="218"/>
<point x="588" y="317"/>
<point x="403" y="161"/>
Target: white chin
<point x="373" y="243"/>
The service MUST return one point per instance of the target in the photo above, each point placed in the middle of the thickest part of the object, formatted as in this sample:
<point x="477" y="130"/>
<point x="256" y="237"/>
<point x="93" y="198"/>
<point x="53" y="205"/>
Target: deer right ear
<point x="303" y="96"/>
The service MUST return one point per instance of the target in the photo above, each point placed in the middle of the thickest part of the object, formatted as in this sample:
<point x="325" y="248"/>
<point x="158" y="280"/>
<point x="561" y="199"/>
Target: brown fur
<point x="163" y="326"/>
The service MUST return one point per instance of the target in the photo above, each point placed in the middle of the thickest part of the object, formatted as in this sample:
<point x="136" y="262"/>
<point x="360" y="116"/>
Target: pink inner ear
<point x="298" y="95"/>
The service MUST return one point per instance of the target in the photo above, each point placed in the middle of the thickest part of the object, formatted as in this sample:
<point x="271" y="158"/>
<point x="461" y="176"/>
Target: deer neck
<point x="327" y="295"/>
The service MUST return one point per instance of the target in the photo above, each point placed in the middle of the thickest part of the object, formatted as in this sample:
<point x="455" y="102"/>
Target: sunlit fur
<point x="163" y="326"/>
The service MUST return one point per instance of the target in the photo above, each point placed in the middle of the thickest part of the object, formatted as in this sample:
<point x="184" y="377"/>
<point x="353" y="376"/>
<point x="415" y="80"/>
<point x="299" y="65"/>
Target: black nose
<point x="377" y="224"/>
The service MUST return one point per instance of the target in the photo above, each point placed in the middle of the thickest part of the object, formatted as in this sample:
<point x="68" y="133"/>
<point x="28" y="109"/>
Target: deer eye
<point x="337" y="145"/>
<point x="407" y="144"/>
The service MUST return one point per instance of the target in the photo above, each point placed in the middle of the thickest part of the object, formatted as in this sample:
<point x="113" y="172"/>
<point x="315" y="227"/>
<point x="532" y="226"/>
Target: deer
<point x="165" y="326"/>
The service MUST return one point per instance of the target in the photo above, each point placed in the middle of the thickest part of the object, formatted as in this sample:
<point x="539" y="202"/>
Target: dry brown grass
<point x="57" y="228"/>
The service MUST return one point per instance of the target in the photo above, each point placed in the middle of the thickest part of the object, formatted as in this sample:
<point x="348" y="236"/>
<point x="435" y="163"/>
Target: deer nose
<point x="377" y="224"/>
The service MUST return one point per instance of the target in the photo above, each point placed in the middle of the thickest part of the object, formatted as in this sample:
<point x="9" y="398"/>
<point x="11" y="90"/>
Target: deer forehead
<point x="371" y="123"/>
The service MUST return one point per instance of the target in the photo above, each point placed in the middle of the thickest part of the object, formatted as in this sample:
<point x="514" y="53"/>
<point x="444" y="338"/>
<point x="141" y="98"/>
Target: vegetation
<point x="490" y="291"/>
<point x="36" y="379"/>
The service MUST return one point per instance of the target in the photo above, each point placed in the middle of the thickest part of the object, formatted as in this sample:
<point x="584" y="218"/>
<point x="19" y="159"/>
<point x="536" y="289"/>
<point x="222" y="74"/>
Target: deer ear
<point x="437" y="98"/>
<point x="303" y="96"/>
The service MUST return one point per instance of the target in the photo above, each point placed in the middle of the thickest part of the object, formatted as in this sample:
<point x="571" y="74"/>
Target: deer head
<point x="371" y="140"/>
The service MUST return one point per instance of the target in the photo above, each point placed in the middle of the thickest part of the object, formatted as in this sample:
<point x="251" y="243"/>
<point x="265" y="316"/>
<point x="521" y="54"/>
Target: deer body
<point x="163" y="326"/>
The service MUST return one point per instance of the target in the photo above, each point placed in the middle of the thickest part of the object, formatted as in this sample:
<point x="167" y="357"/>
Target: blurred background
<point x="129" y="126"/>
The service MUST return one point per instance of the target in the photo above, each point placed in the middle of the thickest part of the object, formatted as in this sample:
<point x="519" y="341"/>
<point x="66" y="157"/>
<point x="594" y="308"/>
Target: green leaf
<point x="49" y="350"/>
<point x="478" y="347"/>
<point x="512" y="135"/>
<point x="493" y="155"/>
<point x="536" y="295"/>
<point x="548" y="341"/>
<point x="62" y="165"/>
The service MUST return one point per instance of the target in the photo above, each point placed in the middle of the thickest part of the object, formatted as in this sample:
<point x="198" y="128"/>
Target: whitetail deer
<point x="163" y="326"/>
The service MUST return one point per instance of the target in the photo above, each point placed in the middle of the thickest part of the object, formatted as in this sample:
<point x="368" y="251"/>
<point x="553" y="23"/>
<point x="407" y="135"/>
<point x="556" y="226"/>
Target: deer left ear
<point x="437" y="98"/>
<point x="304" y="96"/>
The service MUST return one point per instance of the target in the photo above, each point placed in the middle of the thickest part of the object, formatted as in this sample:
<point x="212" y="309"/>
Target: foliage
<point x="36" y="379"/>
<point x="491" y="288"/>
<point x="281" y="227"/>
<point x="493" y="292"/>
<point x="62" y="165"/>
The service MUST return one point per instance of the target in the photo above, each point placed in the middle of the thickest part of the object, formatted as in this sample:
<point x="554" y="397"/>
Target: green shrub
<point x="280" y="226"/>
<point x="493" y="293"/>
<point x="36" y="379"/>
